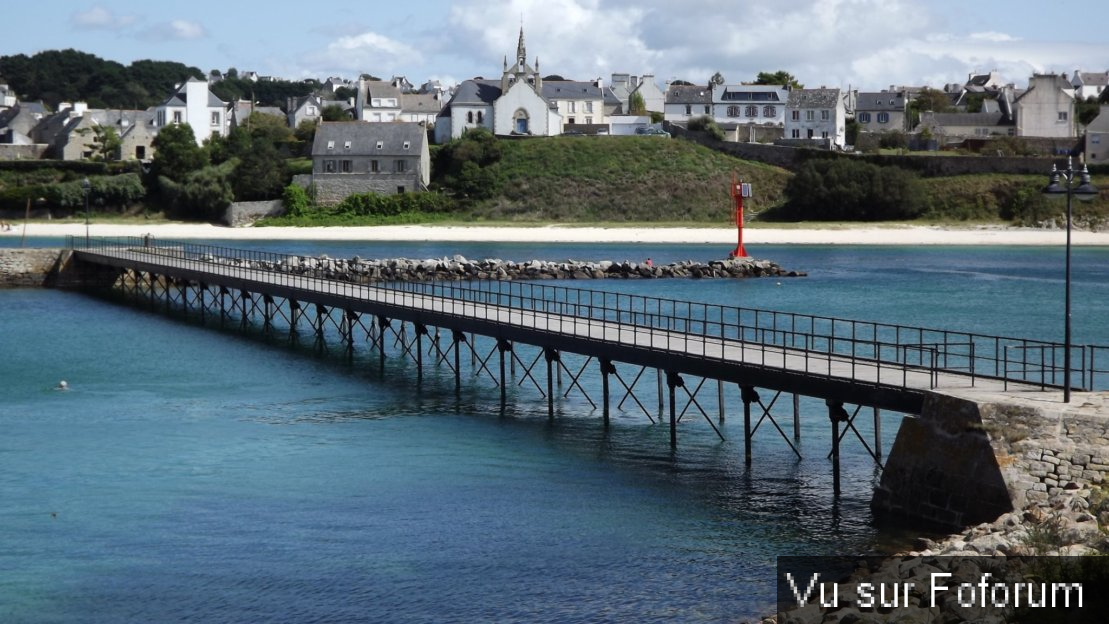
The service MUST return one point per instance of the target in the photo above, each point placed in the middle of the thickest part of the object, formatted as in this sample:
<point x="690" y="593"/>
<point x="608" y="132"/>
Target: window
<point x="1095" y="139"/>
<point x="400" y="189"/>
<point x="176" y="117"/>
<point x="589" y="120"/>
<point x="480" y="117"/>
<point x="570" y="107"/>
<point x="329" y="166"/>
<point x="373" y="166"/>
<point x="347" y="166"/>
<point x="864" y="117"/>
<point x="310" y="111"/>
<point x="400" y="166"/>
<point x="824" y="115"/>
<point x="688" y="109"/>
<point x="809" y="133"/>
<point x="769" y="111"/>
<point x="331" y="145"/>
<point x="883" y="117"/>
<point x="346" y="144"/>
<point x="824" y="134"/>
<point x="470" y="117"/>
<point x="733" y="111"/>
<point x="796" y="133"/>
<point x="140" y="152"/>
<point x="795" y="115"/>
<point x="708" y="109"/>
<point x="407" y="144"/>
<point x="570" y="121"/>
<point x="810" y="115"/>
<point x="751" y="111"/>
<point x="215" y="118"/>
<point x="380" y="144"/>
<point x="589" y="107"/>
<point x="1062" y="115"/>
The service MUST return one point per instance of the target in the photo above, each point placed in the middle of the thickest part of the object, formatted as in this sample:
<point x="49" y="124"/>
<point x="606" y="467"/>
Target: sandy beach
<point x="862" y="235"/>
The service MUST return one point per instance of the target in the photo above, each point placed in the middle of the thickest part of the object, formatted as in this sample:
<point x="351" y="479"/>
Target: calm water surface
<point x="206" y="475"/>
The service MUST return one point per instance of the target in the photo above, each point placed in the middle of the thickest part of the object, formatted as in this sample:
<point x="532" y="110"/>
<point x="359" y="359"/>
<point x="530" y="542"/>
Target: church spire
<point x="521" y="53"/>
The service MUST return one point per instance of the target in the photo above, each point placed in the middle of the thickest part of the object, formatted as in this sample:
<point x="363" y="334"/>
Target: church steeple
<point x="521" y="53"/>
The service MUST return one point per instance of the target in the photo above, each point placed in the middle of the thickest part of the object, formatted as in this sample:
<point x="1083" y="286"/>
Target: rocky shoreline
<point x="460" y="268"/>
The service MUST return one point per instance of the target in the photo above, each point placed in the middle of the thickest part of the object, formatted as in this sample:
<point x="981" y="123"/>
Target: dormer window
<point x="331" y="145"/>
<point x="347" y="145"/>
<point x="406" y="144"/>
<point x="380" y="144"/>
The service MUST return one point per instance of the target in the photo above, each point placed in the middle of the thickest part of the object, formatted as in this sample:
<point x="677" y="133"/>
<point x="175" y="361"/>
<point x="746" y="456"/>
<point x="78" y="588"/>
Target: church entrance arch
<point x="520" y="122"/>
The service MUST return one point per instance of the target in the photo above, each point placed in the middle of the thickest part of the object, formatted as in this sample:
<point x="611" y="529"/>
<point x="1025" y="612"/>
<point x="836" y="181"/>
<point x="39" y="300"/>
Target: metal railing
<point x="872" y="350"/>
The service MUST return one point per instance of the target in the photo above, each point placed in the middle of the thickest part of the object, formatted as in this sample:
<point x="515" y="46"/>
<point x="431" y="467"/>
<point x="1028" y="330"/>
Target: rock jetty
<point x="459" y="268"/>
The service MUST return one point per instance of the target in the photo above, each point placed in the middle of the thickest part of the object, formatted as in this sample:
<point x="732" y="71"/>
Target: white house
<point x="816" y="114"/>
<point x="1046" y="109"/>
<point x="576" y="102"/>
<point x="1089" y="84"/>
<point x="378" y="101"/>
<point x="683" y="102"/>
<point x="194" y="104"/>
<point x="750" y="104"/>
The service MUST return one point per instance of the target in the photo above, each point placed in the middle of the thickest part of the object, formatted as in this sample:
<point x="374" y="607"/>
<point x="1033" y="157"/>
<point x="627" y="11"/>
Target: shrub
<point x="296" y="200"/>
<point x="849" y="190"/>
<point x="707" y="125"/>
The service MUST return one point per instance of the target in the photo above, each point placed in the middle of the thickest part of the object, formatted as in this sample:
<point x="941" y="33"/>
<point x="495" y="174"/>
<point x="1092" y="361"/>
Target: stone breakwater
<point x="460" y="268"/>
<point x="21" y="268"/>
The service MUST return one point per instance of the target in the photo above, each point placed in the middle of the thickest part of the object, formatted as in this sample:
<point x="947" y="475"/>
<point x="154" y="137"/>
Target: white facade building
<point x="194" y="104"/>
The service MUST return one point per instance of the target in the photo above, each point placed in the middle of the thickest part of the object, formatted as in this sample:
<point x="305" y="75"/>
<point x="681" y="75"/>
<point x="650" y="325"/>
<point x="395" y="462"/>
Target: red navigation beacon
<point x="739" y="191"/>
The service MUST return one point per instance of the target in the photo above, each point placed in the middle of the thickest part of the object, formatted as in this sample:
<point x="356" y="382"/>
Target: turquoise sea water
<point x="194" y="474"/>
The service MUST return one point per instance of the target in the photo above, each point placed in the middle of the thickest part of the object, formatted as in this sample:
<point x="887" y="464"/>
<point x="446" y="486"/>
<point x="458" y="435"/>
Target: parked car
<point x="652" y="132"/>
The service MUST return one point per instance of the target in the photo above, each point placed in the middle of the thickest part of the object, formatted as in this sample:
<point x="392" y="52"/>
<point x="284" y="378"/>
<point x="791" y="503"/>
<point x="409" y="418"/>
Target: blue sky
<point x="867" y="44"/>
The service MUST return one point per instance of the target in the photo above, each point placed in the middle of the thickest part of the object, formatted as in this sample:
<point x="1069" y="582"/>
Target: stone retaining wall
<point x="26" y="267"/>
<point x="966" y="461"/>
<point x="240" y="214"/>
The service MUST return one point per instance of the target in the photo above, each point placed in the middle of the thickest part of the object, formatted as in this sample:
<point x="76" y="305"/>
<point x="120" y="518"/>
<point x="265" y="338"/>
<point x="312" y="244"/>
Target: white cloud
<point x="174" y="30"/>
<point x="100" y="18"/>
<point x="366" y="52"/>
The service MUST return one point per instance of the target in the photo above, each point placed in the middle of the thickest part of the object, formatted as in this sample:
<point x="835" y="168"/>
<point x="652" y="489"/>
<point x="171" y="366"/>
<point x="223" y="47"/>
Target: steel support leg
<point x="551" y="356"/>
<point x="796" y="417"/>
<point x="720" y="401"/>
<point x="878" y="433"/>
<point x="673" y="382"/>
<point x="607" y="368"/>
<point x="421" y="330"/>
<point x="382" y="325"/>
<point x="836" y="414"/>
<point x="459" y="338"/>
<point x="749" y="396"/>
<point x="503" y="346"/>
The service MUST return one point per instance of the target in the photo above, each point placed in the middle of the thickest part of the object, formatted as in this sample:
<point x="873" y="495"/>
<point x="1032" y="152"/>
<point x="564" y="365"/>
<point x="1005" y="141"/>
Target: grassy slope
<point x="623" y="180"/>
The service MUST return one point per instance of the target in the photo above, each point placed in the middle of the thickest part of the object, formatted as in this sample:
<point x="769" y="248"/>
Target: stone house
<point x="242" y="109"/>
<point x="351" y="157"/>
<point x="1046" y="108"/>
<point x="817" y="114"/>
<point x="957" y="127"/>
<point x="70" y="133"/>
<point x="882" y="111"/>
<point x="1097" y="138"/>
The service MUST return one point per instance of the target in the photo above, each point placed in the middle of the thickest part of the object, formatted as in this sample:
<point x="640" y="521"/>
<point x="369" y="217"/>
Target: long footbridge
<point x="626" y="339"/>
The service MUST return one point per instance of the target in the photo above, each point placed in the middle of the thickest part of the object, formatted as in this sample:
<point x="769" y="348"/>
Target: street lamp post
<point x="1063" y="184"/>
<point x="86" y="186"/>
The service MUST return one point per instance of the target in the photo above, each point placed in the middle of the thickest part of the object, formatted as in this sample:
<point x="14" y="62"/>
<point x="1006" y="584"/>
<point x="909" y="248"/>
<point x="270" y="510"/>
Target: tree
<point x="345" y="93"/>
<point x="636" y="104"/>
<point x="843" y="189"/>
<point x="717" y="79"/>
<point x="928" y="99"/>
<point x="1087" y="110"/>
<point x="554" y="77"/>
<point x="106" y="144"/>
<point x="176" y="153"/>
<point x="334" y="112"/>
<point x="682" y="83"/>
<point x="780" y="77"/>
<point x="467" y="165"/>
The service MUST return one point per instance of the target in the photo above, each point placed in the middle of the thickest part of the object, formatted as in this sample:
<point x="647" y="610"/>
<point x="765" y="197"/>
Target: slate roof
<point x="570" y="90"/>
<point x="180" y="97"/>
<point x="477" y="91"/>
<point x="1094" y="79"/>
<point x="420" y="103"/>
<point x="381" y="89"/>
<point x="965" y="119"/>
<point x="688" y="94"/>
<point x="363" y="137"/>
<point x="882" y="101"/>
<point x="814" y="98"/>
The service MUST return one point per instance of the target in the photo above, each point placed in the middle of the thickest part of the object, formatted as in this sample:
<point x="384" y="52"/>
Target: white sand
<point x="861" y="235"/>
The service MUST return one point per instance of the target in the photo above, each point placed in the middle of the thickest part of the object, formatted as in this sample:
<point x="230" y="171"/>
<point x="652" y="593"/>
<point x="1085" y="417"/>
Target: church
<point x="520" y="103"/>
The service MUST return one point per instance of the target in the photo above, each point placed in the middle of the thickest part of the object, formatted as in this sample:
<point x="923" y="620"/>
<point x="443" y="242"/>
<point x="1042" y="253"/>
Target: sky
<point x="862" y="44"/>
